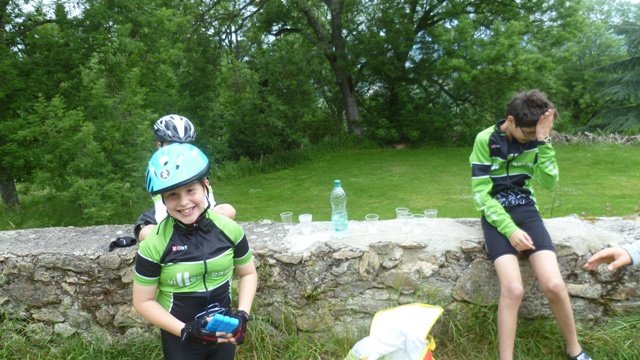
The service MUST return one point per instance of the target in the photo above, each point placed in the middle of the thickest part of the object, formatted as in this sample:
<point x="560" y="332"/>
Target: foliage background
<point x="81" y="82"/>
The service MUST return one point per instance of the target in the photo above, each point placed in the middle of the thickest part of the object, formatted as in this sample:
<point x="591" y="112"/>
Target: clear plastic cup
<point x="305" y="223"/>
<point x="287" y="219"/>
<point x="418" y="223"/>
<point x="431" y="213"/>
<point x="400" y="211"/>
<point x="371" y="221"/>
<point x="406" y="221"/>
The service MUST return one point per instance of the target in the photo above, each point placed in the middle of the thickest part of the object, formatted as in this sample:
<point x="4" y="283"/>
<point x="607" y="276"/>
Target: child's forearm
<point x="153" y="312"/>
<point x="546" y="170"/>
<point x="247" y="287"/>
<point x="144" y="301"/>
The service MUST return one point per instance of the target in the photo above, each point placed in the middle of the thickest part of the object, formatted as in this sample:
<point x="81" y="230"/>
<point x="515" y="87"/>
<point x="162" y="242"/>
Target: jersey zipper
<point x="200" y="242"/>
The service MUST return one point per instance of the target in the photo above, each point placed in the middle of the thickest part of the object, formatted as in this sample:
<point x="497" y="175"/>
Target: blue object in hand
<point x="222" y="323"/>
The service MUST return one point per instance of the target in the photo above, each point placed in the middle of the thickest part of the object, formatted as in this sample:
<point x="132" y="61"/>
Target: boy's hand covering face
<point x="543" y="128"/>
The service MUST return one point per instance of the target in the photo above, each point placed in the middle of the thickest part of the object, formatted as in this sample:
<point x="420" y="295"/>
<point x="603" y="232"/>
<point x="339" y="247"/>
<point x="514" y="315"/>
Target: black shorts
<point x="526" y="218"/>
<point x="173" y="349"/>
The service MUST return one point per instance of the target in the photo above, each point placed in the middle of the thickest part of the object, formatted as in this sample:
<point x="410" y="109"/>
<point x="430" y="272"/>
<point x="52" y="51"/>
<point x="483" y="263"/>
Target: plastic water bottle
<point x="339" y="217"/>
<point x="223" y="323"/>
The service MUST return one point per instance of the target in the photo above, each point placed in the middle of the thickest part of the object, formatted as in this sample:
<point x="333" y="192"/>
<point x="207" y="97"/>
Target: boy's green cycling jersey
<point x="501" y="174"/>
<point x="192" y="266"/>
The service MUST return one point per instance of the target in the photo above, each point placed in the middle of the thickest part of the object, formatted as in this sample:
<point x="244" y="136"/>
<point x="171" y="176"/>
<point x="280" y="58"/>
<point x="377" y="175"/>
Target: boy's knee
<point x="513" y="291"/>
<point x="554" y="288"/>
<point x="226" y="210"/>
<point x="230" y="211"/>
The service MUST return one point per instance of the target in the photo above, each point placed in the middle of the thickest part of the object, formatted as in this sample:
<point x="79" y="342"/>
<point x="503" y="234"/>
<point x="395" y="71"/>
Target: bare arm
<point x="144" y="301"/>
<point x="248" y="284"/>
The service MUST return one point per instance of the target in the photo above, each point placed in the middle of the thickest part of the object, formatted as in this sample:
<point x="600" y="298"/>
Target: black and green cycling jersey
<point x="502" y="171"/>
<point x="192" y="266"/>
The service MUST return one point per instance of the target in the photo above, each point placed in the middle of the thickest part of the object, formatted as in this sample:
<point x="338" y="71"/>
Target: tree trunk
<point x="349" y="102"/>
<point x="334" y="49"/>
<point x="9" y="193"/>
<point x="4" y="5"/>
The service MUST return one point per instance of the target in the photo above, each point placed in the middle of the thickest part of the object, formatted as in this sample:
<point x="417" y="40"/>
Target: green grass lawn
<point x="595" y="180"/>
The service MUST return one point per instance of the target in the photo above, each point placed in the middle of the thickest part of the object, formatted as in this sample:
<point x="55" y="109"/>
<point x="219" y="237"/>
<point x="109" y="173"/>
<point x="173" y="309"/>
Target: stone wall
<point x="67" y="278"/>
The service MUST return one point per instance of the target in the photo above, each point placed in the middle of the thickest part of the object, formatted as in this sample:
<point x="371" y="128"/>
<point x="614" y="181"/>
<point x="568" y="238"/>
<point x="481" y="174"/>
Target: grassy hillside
<point x="595" y="180"/>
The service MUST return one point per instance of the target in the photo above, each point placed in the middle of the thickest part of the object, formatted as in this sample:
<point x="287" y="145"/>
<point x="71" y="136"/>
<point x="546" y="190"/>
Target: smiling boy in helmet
<point x="184" y="270"/>
<point x="171" y="129"/>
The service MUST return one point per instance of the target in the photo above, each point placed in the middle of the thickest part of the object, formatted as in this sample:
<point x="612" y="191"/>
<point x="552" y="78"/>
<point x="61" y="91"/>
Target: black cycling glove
<point x="243" y="317"/>
<point x="194" y="331"/>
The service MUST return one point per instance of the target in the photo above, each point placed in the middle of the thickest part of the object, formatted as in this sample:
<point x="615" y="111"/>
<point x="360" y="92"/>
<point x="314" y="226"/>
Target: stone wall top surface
<point x="439" y="235"/>
<point x="92" y="240"/>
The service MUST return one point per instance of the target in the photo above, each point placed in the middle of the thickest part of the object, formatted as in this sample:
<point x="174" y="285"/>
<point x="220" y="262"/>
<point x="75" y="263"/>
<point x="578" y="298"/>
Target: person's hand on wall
<point x="616" y="257"/>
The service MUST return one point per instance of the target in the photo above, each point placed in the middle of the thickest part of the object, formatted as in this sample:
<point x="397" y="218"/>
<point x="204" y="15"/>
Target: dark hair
<point x="526" y="107"/>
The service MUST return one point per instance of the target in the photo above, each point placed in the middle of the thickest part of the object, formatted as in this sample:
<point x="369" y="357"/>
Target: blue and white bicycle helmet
<point x="175" y="165"/>
<point x="174" y="128"/>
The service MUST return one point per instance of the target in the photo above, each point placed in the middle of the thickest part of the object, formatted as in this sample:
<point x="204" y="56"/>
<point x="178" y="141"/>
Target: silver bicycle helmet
<point x="174" y="128"/>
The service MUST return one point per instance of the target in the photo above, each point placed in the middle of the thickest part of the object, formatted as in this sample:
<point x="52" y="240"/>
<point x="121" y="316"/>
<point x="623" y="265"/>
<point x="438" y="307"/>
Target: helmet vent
<point x="179" y="162"/>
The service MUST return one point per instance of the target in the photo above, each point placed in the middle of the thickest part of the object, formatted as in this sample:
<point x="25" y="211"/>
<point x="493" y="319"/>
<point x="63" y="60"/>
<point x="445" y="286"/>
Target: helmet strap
<point x="205" y="183"/>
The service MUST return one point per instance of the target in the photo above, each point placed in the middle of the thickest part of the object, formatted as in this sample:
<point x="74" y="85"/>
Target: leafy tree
<point x="417" y="71"/>
<point x="329" y="33"/>
<point x="254" y="116"/>
<point x="268" y="90"/>
<point x="9" y="86"/>
<point x="447" y="70"/>
<point x="324" y="25"/>
<point x="583" y="41"/>
<point x="23" y="36"/>
<point x="621" y="90"/>
<point x="66" y="76"/>
<point x="80" y="89"/>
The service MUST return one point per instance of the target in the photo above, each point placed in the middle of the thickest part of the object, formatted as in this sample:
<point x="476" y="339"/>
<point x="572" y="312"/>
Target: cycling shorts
<point x="173" y="349"/>
<point x="527" y="218"/>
